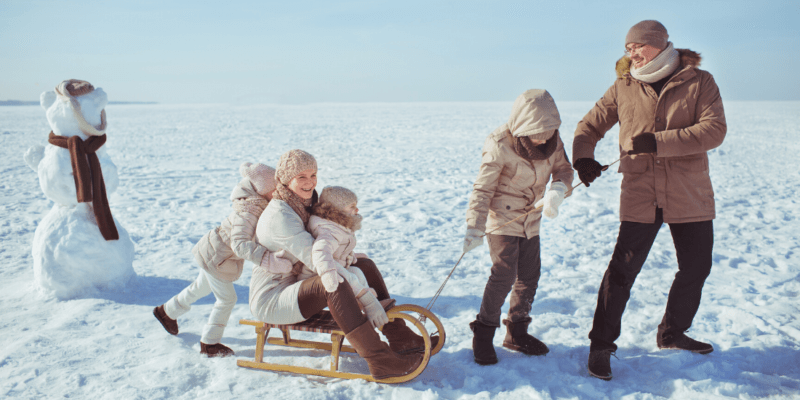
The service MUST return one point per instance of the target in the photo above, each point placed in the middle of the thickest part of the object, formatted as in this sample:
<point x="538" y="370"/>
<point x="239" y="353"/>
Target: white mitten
<point x="375" y="313"/>
<point x="275" y="263"/>
<point x="552" y="199"/>
<point x="331" y="279"/>
<point x="350" y="259"/>
<point x="472" y="239"/>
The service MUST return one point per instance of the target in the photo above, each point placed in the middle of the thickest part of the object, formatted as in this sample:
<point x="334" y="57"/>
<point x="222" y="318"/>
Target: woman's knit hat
<point x="292" y="163"/>
<point x="338" y="197"/>
<point x="261" y="176"/>
<point x="648" y="32"/>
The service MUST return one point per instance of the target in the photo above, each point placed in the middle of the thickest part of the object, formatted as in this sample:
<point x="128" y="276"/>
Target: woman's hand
<point x="275" y="263"/>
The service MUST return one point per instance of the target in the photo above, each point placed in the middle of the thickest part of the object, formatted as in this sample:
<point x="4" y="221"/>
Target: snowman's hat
<point x="72" y="88"/>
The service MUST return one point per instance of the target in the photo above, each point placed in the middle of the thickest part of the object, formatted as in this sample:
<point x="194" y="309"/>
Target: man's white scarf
<point x="660" y="67"/>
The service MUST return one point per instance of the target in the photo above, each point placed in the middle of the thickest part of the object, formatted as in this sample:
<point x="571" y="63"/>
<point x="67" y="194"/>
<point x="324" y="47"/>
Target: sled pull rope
<point x="569" y="193"/>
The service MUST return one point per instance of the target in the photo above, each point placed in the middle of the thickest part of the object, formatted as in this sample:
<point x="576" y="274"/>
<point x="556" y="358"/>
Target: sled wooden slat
<point x="324" y="323"/>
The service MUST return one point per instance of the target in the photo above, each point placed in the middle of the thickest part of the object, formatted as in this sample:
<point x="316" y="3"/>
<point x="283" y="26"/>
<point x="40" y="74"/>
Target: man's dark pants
<point x="693" y="244"/>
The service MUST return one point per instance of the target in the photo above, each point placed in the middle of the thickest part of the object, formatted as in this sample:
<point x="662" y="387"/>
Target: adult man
<point x="670" y="114"/>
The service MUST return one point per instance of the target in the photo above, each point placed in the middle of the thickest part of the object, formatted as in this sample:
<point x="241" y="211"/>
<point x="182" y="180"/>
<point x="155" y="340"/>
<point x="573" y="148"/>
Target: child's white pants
<point x="201" y="287"/>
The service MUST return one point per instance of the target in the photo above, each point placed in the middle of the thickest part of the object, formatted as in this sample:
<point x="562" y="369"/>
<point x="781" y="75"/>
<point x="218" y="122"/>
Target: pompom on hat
<point x="338" y="197"/>
<point x="292" y="163"/>
<point x="261" y="176"/>
<point x="648" y="32"/>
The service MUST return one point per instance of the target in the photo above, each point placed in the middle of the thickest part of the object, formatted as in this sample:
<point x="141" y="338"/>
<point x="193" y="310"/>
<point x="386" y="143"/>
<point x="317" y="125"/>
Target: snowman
<point x="78" y="247"/>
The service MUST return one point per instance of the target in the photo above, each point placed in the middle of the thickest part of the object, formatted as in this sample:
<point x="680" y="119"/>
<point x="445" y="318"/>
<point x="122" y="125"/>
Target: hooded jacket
<point x="221" y="252"/>
<point x="687" y="119"/>
<point x="508" y="185"/>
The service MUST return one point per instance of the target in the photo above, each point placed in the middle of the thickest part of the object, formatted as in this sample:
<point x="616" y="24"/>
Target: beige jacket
<point x="687" y="119"/>
<point x="222" y="251"/>
<point x="508" y="185"/>
<point x="333" y="243"/>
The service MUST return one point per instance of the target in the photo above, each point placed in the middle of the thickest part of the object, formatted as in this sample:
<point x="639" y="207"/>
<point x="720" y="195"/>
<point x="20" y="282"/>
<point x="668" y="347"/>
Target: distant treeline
<point x="36" y="103"/>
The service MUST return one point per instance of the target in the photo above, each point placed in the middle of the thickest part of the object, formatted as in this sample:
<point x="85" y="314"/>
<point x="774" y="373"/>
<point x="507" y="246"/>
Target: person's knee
<point x="619" y="279"/>
<point x="227" y="299"/>
<point x="366" y="265"/>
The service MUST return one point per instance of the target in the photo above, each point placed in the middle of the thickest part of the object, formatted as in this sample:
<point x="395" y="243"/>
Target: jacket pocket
<point x="690" y="164"/>
<point x="634" y="164"/>
<point x="504" y="203"/>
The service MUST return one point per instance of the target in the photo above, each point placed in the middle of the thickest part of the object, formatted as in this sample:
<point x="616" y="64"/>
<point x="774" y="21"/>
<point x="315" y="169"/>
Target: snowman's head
<point x="75" y="107"/>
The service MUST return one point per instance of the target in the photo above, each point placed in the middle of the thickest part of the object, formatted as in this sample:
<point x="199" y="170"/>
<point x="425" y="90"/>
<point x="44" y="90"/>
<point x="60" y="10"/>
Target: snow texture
<point x="412" y="167"/>
<point x="70" y="256"/>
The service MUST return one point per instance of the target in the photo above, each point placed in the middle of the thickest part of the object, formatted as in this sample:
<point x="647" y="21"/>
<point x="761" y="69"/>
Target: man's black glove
<point x="588" y="169"/>
<point x="644" y="143"/>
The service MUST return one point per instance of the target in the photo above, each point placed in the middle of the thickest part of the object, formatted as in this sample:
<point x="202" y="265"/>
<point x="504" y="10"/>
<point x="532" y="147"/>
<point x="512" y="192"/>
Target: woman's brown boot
<point x="383" y="362"/>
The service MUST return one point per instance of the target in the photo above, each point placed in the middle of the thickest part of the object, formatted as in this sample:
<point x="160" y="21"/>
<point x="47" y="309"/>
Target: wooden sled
<point x="323" y="323"/>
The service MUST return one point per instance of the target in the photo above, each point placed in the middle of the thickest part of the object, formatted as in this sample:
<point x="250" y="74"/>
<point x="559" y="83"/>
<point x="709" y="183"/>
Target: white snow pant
<point x="201" y="287"/>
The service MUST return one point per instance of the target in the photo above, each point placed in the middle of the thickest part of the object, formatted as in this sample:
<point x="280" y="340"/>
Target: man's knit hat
<point x="648" y="32"/>
<point x="292" y="163"/>
<point x="338" y="197"/>
<point x="261" y="176"/>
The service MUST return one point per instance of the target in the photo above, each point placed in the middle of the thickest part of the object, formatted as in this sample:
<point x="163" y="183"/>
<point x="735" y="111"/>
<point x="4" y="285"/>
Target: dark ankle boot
<point x="518" y="339"/>
<point x="169" y="324"/>
<point x="482" y="347"/>
<point x="215" y="350"/>
<point x="682" y="342"/>
<point x="600" y="364"/>
<point x="382" y="361"/>
<point x="403" y="340"/>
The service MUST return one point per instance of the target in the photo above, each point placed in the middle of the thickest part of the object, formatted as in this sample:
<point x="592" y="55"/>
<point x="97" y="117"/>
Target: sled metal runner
<point x="323" y="323"/>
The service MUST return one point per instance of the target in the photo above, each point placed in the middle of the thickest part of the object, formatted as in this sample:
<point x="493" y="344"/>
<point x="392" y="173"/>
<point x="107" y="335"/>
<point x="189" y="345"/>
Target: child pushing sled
<point x="221" y="254"/>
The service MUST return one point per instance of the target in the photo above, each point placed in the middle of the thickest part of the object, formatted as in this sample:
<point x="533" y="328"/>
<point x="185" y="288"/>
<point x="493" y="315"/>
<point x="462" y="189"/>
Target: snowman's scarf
<point x="89" y="183"/>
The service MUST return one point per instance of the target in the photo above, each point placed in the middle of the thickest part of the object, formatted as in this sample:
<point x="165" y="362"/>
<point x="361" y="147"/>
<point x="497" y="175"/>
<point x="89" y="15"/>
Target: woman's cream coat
<point x="273" y="297"/>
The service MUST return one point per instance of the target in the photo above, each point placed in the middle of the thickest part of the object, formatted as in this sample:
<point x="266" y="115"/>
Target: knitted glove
<point x="644" y="143"/>
<point x="472" y="239"/>
<point x="588" y="169"/>
<point x="372" y="307"/>
<point x="350" y="259"/>
<point x="276" y="263"/>
<point x="331" y="279"/>
<point x="552" y="199"/>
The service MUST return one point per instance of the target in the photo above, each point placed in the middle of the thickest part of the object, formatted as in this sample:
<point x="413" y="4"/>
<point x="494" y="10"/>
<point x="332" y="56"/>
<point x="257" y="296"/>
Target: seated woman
<point x="280" y="298"/>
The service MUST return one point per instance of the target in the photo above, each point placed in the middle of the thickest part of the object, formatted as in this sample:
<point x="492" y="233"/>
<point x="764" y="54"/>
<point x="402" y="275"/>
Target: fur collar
<point x="327" y="211"/>
<point x="689" y="58"/>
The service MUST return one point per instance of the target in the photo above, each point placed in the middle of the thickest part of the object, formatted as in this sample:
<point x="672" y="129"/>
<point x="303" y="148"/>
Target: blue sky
<point x="296" y="52"/>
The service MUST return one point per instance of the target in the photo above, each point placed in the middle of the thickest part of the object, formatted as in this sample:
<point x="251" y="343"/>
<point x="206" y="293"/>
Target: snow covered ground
<point x="412" y="166"/>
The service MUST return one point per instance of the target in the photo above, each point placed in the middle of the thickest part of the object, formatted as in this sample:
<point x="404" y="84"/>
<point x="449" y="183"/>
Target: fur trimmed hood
<point x="329" y="212"/>
<point x="689" y="58"/>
